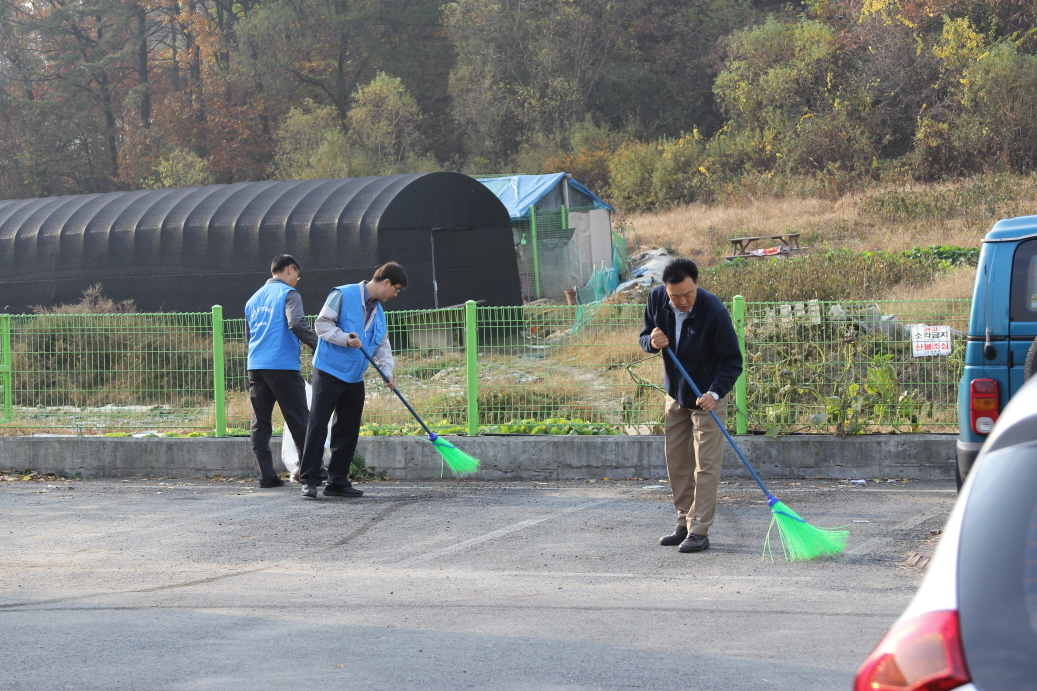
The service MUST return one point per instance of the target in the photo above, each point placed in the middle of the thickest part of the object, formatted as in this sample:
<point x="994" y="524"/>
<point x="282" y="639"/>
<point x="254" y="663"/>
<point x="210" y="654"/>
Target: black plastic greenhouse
<point x="184" y="250"/>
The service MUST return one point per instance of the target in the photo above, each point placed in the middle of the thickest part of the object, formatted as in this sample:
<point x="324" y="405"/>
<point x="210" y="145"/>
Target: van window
<point x="1024" y="283"/>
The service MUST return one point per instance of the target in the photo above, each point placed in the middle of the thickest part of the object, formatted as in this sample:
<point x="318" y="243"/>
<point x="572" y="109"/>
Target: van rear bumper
<point x="967" y="452"/>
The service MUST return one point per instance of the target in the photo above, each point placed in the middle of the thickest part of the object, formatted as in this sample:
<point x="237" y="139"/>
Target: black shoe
<point x="273" y="482"/>
<point x="694" y="543"/>
<point x="674" y="538"/>
<point x="309" y="491"/>
<point x="337" y="491"/>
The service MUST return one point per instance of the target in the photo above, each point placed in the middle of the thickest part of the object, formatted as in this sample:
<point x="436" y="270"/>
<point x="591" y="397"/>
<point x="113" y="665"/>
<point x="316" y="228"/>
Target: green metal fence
<point x="845" y="367"/>
<point x="97" y="373"/>
<point x="849" y="367"/>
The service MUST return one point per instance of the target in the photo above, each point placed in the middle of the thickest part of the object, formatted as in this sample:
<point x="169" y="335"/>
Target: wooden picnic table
<point x="741" y="248"/>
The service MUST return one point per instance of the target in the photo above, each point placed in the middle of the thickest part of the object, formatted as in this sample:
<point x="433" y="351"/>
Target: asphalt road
<point x="221" y="585"/>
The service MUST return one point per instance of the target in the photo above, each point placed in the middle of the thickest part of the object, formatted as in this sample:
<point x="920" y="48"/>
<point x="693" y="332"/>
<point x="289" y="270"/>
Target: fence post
<point x="741" y="407"/>
<point x="219" y="381"/>
<point x="536" y="249"/>
<point x="471" y="351"/>
<point x="5" y="366"/>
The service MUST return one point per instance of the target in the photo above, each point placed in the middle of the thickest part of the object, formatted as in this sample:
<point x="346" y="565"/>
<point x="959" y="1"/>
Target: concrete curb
<point x="915" y="456"/>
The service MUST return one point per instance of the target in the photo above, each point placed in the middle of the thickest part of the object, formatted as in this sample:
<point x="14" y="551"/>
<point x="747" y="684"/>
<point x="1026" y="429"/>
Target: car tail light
<point x="921" y="654"/>
<point x="983" y="405"/>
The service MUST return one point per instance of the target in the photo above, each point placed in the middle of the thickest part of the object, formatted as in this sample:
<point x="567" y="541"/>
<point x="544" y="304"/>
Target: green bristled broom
<point x="459" y="462"/>
<point x="799" y="539"/>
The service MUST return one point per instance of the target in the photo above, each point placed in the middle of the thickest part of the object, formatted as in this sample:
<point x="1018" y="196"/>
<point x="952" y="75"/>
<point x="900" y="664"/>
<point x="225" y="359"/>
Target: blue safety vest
<point x="349" y="364"/>
<point x="271" y="344"/>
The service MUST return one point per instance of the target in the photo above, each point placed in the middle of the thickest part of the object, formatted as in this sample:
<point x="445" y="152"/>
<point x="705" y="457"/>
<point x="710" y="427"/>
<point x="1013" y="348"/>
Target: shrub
<point x="631" y="170"/>
<point x="980" y="198"/>
<point x="99" y="352"/>
<point x="587" y="155"/>
<point x="540" y="403"/>
<point x="831" y="275"/>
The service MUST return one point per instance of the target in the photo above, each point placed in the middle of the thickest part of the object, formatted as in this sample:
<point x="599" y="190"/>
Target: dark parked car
<point x="973" y="622"/>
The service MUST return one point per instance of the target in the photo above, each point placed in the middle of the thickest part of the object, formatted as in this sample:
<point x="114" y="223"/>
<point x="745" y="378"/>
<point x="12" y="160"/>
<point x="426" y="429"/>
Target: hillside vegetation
<point x="653" y="103"/>
<point x="850" y="238"/>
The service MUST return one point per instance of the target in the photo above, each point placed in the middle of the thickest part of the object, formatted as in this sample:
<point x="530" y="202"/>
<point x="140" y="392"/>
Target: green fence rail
<point x="839" y="367"/>
<point x="5" y="368"/>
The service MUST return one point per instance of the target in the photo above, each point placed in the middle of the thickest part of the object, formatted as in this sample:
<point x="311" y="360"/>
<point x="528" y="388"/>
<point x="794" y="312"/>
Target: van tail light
<point x="921" y="654"/>
<point x="983" y="405"/>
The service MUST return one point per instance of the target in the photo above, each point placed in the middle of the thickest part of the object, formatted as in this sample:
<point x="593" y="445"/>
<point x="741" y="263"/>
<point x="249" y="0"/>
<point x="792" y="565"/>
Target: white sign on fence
<point x="930" y="340"/>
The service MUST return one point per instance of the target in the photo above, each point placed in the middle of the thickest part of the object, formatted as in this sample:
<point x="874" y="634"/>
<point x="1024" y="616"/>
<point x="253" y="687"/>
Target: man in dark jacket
<point x="275" y="327"/>
<point x="694" y="324"/>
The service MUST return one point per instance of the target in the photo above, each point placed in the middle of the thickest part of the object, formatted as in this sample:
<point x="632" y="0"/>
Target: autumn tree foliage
<point x="96" y="94"/>
<point x="653" y="102"/>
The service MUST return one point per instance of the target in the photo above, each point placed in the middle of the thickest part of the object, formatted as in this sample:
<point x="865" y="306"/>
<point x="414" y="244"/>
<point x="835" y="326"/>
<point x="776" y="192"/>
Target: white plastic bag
<point x="289" y="454"/>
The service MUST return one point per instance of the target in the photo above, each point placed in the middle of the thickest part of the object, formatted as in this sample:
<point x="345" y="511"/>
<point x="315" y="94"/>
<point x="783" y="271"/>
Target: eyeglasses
<point x="398" y="289"/>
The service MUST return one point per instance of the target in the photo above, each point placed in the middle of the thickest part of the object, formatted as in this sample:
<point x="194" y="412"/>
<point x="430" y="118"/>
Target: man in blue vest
<point x="275" y="324"/>
<point x="352" y="318"/>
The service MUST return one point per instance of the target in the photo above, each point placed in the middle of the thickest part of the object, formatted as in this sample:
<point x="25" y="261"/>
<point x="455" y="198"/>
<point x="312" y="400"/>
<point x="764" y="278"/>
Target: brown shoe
<point x="674" y="538"/>
<point x="694" y="543"/>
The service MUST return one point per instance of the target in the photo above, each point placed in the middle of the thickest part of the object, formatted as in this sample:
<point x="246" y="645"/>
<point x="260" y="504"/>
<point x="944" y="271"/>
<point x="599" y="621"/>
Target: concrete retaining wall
<point x="917" y="456"/>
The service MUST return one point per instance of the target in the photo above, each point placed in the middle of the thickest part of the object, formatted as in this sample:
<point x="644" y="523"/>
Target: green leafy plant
<point x="359" y="471"/>
<point x="556" y="426"/>
<point x="847" y="389"/>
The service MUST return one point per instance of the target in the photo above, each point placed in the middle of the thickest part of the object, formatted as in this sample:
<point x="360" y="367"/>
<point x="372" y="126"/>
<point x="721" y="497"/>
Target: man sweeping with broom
<point x="696" y="326"/>
<point x="351" y="323"/>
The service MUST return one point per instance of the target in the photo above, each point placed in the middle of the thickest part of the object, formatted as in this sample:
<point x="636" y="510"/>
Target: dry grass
<point x="883" y="218"/>
<point x="952" y="285"/>
<point x="702" y="231"/>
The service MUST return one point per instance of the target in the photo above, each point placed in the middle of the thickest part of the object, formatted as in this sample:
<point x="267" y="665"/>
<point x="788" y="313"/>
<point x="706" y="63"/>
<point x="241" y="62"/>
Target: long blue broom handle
<point x="432" y="435"/>
<point x="730" y="439"/>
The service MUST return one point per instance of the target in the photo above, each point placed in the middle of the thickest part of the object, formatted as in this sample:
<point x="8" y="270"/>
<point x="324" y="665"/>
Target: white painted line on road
<point x="515" y="527"/>
<point x="655" y="577"/>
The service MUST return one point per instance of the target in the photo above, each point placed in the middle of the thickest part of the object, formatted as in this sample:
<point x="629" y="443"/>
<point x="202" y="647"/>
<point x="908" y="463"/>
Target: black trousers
<point x="346" y="400"/>
<point x="287" y="388"/>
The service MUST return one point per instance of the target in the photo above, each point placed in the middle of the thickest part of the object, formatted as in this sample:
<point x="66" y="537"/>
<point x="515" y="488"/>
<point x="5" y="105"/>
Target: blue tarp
<point x="519" y="192"/>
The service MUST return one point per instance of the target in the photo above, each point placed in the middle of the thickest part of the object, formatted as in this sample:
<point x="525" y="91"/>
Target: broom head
<point x="459" y="462"/>
<point x="801" y="541"/>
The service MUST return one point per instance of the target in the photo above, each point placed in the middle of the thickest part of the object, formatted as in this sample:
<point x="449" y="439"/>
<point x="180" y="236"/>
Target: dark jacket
<point x="708" y="346"/>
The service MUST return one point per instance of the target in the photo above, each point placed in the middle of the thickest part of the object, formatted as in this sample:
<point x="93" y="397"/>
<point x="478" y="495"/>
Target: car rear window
<point x="1024" y="283"/>
<point x="997" y="572"/>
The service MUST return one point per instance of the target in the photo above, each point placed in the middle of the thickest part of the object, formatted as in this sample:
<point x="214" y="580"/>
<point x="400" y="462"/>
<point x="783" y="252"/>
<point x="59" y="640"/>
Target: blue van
<point x="1001" y="352"/>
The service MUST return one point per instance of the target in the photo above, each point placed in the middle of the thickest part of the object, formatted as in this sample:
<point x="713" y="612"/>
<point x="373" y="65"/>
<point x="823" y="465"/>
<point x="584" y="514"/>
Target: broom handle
<point x="730" y="439"/>
<point x="432" y="435"/>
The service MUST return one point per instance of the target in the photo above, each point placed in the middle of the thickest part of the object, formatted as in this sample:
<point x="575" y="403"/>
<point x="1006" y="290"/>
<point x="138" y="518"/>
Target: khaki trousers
<point x="694" y="453"/>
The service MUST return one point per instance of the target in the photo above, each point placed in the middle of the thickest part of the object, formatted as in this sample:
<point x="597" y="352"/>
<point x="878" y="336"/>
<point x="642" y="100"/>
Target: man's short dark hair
<point x="282" y="262"/>
<point x="394" y="272"/>
<point x="680" y="268"/>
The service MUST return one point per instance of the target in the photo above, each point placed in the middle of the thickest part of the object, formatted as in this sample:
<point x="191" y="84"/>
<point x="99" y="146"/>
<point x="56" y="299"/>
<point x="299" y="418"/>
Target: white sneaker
<point x="294" y="476"/>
